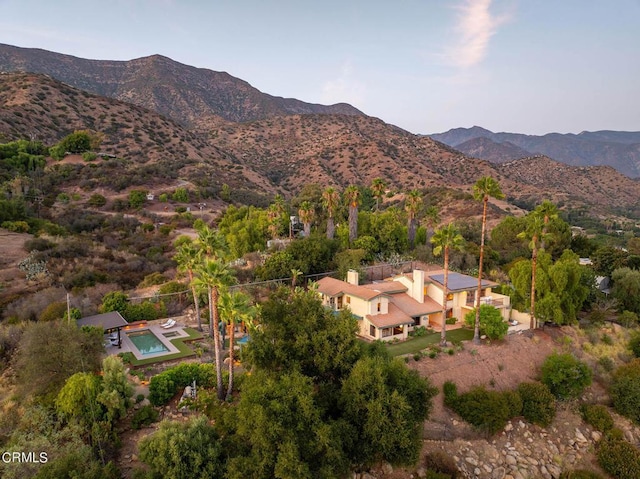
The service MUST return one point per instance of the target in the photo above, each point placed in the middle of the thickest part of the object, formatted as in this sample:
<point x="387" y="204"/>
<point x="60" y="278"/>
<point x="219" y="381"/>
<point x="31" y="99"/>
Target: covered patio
<point x="111" y="322"/>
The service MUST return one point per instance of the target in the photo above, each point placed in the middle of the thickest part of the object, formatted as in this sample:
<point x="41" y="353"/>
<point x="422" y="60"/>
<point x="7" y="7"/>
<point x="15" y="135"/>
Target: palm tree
<point x="446" y="239"/>
<point x="295" y="274"/>
<point x="378" y="187"/>
<point x="307" y="214"/>
<point x="412" y="205"/>
<point x="235" y="308"/>
<point x="275" y="212"/>
<point x="534" y="232"/>
<point x="352" y="194"/>
<point x="432" y="218"/>
<point x="215" y="276"/>
<point x="189" y="257"/>
<point x="549" y="212"/>
<point x="485" y="188"/>
<point x="212" y="243"/>
<point x="330" y="200"/>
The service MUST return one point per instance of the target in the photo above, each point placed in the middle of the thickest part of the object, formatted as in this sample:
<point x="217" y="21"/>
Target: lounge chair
<point x="169" y="324"/>
<point x="113" y="335"/>
<point x="162" y="325"/>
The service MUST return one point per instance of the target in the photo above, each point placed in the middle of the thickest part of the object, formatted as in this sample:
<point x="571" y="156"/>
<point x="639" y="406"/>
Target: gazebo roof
<point x="111" y="320"/>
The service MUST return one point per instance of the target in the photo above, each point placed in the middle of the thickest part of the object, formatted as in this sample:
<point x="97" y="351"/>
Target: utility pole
<point x="68" y="308"/>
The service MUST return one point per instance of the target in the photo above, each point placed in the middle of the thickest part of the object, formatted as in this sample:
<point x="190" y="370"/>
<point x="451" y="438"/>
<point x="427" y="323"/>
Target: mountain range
<point x="619" y="149"/>
<point x="209" y="128"/>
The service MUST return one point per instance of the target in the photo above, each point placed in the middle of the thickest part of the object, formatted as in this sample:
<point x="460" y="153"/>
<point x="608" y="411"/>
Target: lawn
<point x="414" y="345"/>
<point x="185" y="351"/>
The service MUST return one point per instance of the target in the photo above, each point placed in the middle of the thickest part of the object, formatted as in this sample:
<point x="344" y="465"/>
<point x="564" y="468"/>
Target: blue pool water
<point x="147" y="342"/>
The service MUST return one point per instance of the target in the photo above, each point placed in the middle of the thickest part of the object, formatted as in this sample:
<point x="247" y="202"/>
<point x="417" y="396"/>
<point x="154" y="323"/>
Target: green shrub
<point x="606" y="339"/>
<point x="144" y="416"/>
<point x="514" y="402"/>
<point x="625" y="390"/>
<point x="628" y="319"/>
<point x="634" y="343"/>
<point x="491" y="322"/>
<point x="606" y="363"/>
<point x="417" y="356"/>
<point x="97" y="200"/>
<point x="139" y="398"/>
<point x="451" y="320"/>
<point x="165" y="385"/>
<point x="565" y="375"/>
<point x="89" y="156"/>
<point x="450" y="393"/>
<point x="597" y="416"/>
<point x="538" y="404"/>
<point x="419" y="331"/>
<point x="619" y="458"/>
<point x="488" y="411"/>
<point x="441" y="463"/>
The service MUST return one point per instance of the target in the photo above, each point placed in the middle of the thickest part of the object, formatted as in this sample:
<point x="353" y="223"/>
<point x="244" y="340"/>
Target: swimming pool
<point x="147" y="342"/>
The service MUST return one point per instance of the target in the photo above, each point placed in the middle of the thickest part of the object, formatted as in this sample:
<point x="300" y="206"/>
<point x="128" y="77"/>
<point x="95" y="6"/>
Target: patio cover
<point x="107" y="321"/>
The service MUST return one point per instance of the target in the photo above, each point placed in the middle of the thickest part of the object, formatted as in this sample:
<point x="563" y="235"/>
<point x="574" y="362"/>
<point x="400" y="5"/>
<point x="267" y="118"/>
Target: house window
<point x="348" y="299"/>
<point x="386" y="332"/>
<point x="449" y="313"/>
<point x="379" y="306"/>
<point x="372" y="331"/>
<point x="398" y="330"/>
<point x="416" y="321"/>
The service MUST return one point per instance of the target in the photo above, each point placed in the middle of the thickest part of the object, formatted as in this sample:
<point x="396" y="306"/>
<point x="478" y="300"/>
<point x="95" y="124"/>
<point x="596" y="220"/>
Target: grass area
<point x="414" y="345"/>
<point x="184" y="350"/>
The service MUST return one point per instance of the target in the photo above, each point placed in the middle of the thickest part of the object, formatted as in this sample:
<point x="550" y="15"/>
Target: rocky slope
<point x="178" y="91"/>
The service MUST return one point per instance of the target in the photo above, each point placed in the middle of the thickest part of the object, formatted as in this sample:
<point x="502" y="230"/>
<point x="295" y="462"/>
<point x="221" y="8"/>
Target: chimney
<point x="417" y="288"/>
<point x="353" y="277"/>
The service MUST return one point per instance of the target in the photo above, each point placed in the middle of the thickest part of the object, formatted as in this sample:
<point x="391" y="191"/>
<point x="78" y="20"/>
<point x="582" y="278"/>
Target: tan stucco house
<point x="390" y="309"/>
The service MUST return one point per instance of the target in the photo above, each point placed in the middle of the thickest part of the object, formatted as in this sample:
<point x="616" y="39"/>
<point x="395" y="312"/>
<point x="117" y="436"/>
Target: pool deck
<point x="127" y="345"/>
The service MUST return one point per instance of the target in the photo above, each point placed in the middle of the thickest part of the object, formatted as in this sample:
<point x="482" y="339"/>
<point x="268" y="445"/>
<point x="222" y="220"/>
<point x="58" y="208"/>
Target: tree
<point x="626" y="289"/>
<point x="378" y="187"/>
<point x="432" y="219"/>
<point x="215" y="276"/>
<point x="330" y="201"/>
<point x="352" y="195"/>
<point x="78" y="398"/>
<point x="116" y="392"/>
<point x="386" y="404"/>
<point x="181" y="195"/>
<point x="548" y="211"/>
<point x="490" y="321"/>
<point x="625" y="390"/>
<point x="307" y="215"/>
<point x="413" y="202"/>
<point x="235" y="308"/>
<point x="51" y="352"/>
<point x="485" y="188"/>
<point x="212" y="243"/>
<point x="446" y="239"/>
<point x="298" y="333"/>
<point x="560" y="288"/>
<point x="114" y="301"/>
<point x="188" y="256"/>
<point x="184" y="450"/>
<point x="533" y="232"/>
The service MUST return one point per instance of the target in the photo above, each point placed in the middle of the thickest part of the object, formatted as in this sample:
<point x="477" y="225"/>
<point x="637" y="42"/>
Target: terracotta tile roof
<point x="412" y="307"/>
<point x="395" y="317"/>
<point x="335" y="287"/>
<point x="387" y="287"/>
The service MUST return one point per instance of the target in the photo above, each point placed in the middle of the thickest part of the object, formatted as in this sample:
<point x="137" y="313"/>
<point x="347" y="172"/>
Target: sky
<point x="522" y="66"/>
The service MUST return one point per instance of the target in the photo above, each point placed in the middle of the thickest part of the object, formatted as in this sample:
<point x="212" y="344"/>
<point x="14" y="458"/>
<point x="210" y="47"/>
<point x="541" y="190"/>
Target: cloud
<point x="345" y="88"/>
<point x="475" y="25"/>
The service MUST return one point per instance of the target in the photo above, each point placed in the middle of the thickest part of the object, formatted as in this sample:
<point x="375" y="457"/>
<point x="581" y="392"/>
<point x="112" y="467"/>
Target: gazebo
<point x="110" y="322"/>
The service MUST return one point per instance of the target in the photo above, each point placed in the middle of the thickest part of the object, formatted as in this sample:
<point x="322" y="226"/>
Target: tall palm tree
<point x="432" y="218"/>
<point x="307" y="213"/>
<point x="534" y="232"/>
<point x="352" y="195"/>
<point x="235" y="308"/>
<point x="212" y="243"/>
<point x="548" y="211"/>
<point x="412" y="205"/>
<point x="215" y="276"/>
<point x="485" y="188"/>
<point x="189" y="257"/>
<point x="378" y="187"/>
<point x="446" y="239"/>
<point x="330" y="200"/>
